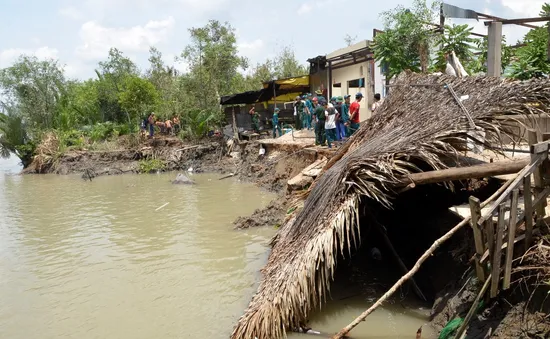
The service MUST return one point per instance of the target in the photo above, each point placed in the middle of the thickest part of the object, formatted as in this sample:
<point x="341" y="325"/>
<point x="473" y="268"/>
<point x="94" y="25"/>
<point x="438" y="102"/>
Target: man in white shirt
<point x="330" y="124"/>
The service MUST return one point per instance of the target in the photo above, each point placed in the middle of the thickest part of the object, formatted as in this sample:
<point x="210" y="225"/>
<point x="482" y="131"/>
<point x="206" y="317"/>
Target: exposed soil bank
<point x="206" y="156"/>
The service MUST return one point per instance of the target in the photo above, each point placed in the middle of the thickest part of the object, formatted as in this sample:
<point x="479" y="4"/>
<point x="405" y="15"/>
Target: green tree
<point x="456" y="38"/>
<point x="173" y="96"/>
<point x="407" y="39"/>
<point x="213" y="59"/>
<point x="112" y="75"/>
<point x="286" y="65"/>
<point x="531" y="59"/>
<point x="138" y="97"/>
<point x="14" y="137"/>
<point x="35" y="88"/>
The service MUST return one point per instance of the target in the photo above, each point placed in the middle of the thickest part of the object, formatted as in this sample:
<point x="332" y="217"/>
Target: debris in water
<point x="161" y="207"/>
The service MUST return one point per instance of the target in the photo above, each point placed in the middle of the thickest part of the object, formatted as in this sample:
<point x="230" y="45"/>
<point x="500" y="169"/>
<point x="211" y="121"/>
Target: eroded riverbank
<point x="271" y="169"/>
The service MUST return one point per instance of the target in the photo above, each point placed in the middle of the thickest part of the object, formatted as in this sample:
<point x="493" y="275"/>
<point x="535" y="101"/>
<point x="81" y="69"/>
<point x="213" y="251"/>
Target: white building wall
<point x="379" y="80"/>
<point x="353" y="72"/>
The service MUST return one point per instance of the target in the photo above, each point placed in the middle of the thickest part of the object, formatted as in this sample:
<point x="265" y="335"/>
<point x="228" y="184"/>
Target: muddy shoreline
<point x="510" y="316"/>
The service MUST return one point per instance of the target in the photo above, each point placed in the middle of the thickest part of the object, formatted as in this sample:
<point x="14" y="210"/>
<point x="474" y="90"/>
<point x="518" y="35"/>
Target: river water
<point x="95" y="260"/>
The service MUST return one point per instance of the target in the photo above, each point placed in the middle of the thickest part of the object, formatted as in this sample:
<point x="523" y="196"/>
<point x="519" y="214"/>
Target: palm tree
<point x="13" y="136"/>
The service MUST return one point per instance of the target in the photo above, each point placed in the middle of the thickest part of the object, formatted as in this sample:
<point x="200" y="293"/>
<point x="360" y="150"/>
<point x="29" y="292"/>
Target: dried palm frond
<point x="419" y="126"/>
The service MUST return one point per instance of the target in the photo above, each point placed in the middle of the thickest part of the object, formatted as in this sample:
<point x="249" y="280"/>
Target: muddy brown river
<point x="97" y="260"/>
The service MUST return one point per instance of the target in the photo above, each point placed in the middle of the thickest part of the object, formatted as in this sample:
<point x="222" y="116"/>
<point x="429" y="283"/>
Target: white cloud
<point x="8" y="56"/>
<point x="71" y="13"/>
<point x="524" y="8"/>
<point x="251" y="46"/>
<point x="97" y="39"/>
<point x="305" y="8"/>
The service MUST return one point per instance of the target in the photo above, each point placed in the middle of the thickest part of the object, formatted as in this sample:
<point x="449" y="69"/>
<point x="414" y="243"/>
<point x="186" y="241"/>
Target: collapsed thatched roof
<point x="416" y="126"/>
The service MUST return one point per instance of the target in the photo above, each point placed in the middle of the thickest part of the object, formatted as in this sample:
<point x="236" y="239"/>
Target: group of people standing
<point x="168" y="126"/>
<point x="332" y="121"/>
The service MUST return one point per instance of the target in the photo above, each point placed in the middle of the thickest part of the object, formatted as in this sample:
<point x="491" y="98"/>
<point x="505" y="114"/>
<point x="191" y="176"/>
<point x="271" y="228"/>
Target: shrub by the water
<point x="151" y="166"/>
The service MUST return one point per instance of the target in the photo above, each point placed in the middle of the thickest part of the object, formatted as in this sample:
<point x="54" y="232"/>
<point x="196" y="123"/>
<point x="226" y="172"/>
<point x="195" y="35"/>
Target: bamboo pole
<point x="473" y="308"/>
<point x="344" y="331"/>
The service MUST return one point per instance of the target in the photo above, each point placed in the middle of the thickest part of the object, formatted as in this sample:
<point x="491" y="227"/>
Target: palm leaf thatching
<point x="419" y="126"/>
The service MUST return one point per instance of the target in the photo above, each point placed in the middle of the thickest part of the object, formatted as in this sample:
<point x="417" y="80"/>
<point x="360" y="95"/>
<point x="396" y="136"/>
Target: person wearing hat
<point x="354" y="113"/>
<point x="275" y="121"/>
<point x="320" y="117"/>
<point x="299" y="107"/>
<point x="151" y="120"/>
<point x="255" y="119"/>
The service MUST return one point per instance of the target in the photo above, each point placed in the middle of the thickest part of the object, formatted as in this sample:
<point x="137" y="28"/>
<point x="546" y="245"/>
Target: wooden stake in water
<point x="161" y="207"/>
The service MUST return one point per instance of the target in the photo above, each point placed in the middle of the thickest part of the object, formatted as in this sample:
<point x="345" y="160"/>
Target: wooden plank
<point x="475" y="212"/>
<point x="540" y="147"/>
<point x="463" y="173"/>
<point x="490" y="236"/>
<point x="504" y="246"/>
<point x="532" y="137"/>
<point x="528" y="208"/>
<point x="536" y="160"/>
<point x="495" y="263"/>
<point x="511" y="237"/>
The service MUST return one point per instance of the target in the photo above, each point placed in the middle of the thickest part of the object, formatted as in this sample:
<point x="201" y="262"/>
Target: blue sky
<point x="79" y="33"/>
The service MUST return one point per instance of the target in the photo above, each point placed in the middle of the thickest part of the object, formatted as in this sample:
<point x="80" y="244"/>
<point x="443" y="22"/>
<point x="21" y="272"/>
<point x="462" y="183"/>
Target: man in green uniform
<point x="255" y="120"/>
<point x="275" y="121"/>
<point x="320" y="117"/>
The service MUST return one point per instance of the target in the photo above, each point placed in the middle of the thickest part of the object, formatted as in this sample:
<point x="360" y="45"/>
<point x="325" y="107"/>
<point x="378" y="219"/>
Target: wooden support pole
<point x="528" y="208"/>
<point x="511" y="238"/>
<point x="533" y="142"/>
<point x="401" y="264"/>
<point x="235" y="128"/>
<point x="475" y="212"/>
<point x="494" y="52"/>
<point x="490" y="236"/>
<point x="495" y="263"/>
<point x="463" y="173"/>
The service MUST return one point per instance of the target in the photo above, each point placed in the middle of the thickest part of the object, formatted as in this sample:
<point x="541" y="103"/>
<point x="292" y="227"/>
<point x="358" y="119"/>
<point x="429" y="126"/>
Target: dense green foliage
<point x="36" y="96"/>
<point x="408" y="38"/>
<point x="532" y="57"/>
<point x="410" y="42"/>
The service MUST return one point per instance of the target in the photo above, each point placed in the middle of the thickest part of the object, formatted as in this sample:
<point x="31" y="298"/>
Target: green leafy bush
<point x="151" y="166"/>
<point x="106" y="130"/>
